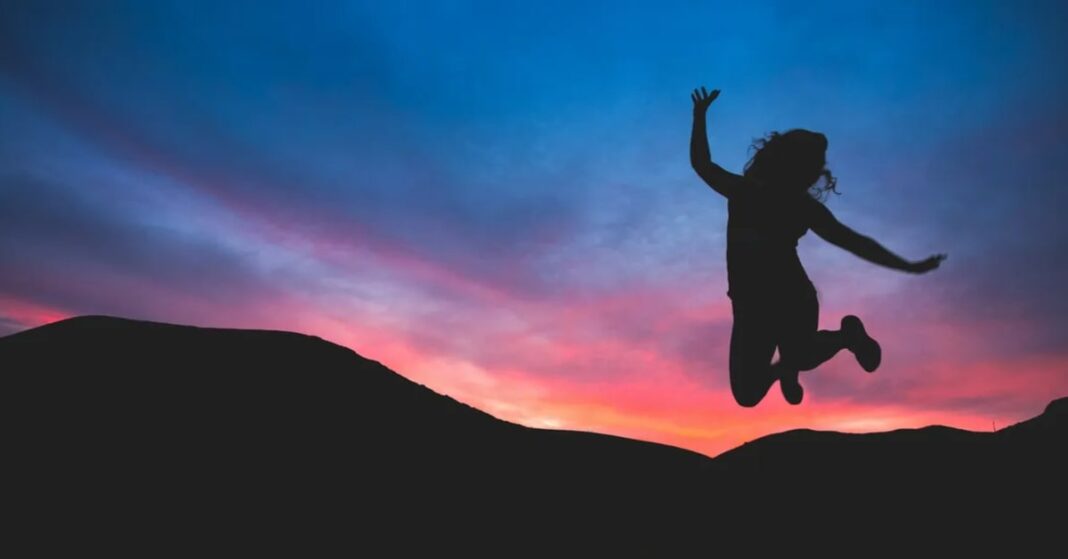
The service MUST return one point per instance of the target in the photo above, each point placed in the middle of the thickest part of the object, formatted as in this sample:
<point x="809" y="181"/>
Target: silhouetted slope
<point x="276" y="425"/>
<point x="129" y="374"/>
<point x="142" y="427"/>
<point x="906" y="453"/>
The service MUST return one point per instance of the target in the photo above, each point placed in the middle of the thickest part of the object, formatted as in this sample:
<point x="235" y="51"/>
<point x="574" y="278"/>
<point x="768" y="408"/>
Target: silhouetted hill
<point x="184" y="434"/>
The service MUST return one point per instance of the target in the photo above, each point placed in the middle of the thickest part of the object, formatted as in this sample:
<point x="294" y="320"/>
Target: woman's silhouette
<point x="770" y="206"/>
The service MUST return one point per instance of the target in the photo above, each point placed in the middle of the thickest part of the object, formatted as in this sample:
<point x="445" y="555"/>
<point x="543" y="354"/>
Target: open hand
<point x="928" y="264"/>
<point x="702" y="98"/>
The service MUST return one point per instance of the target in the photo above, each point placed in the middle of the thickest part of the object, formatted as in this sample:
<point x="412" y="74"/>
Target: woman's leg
<point x="752" y="346"/>
<point x="820" y="348"/>
<point x="802" y="347"/>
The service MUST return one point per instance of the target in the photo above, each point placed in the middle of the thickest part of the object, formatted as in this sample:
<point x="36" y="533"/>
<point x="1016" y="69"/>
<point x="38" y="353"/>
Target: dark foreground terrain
<point x="145" y="437"/>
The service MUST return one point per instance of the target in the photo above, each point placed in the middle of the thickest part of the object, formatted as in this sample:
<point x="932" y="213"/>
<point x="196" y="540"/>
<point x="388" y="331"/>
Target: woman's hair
<point x="793" y="160"/>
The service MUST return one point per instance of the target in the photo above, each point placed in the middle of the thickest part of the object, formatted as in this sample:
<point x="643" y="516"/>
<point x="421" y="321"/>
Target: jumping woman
<point x="770" y="206"/>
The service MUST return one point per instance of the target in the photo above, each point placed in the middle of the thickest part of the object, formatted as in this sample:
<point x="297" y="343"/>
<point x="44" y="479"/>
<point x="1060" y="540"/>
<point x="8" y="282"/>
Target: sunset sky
<point x="495" y="199"/>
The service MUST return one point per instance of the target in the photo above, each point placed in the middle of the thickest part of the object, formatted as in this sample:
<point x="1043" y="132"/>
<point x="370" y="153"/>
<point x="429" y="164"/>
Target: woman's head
<point x="792" y="161"/>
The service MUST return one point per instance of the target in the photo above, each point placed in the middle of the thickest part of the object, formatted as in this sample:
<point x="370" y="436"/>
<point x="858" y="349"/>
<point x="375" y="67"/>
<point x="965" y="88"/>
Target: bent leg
<point x="803" y="347"/>
<point x="810" y="352"/>
<point x="752" y="346"/>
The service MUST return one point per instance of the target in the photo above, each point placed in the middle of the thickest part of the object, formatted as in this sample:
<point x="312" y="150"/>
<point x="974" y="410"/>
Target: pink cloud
<point x="29" y="314"/>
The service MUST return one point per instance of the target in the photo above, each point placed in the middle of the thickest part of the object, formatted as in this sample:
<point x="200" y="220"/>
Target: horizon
<point x="994" y="427"/>
<point x="496" y="201"/>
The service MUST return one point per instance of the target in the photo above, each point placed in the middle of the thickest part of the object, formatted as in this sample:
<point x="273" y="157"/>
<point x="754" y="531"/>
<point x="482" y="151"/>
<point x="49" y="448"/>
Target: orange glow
<point x="579" y="377"/>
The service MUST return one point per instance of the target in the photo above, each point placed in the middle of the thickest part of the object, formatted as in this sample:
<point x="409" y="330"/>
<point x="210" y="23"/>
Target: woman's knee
<point x="747" y="399"/>
<point x="747" y="393"/>
<point x="750" y="359"/>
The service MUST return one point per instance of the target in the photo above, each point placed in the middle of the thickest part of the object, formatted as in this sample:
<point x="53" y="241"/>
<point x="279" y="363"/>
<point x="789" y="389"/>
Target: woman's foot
<point x="863" y="346"/>
<point x="792" y="391"/>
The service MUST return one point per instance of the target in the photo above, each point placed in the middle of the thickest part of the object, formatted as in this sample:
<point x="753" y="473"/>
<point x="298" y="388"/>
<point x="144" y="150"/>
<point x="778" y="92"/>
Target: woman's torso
<point x="762" y="234"/>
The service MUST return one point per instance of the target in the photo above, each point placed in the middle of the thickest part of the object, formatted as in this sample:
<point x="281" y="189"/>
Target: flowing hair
<point x="792" y="160"/>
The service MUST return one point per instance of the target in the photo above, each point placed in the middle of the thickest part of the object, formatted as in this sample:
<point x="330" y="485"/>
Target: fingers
<point x="931" y="263"/>
<point x="702" y="96"/>
<point x="925" y="265"/>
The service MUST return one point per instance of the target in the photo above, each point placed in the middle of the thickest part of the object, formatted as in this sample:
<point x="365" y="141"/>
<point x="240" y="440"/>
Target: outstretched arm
<point x="721" y="180"/>
<point x="830" y="229"/>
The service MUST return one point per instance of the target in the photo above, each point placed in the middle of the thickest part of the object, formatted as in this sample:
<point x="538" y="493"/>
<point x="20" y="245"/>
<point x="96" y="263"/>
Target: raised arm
<point x="721" y="180"/>
<point x="830" y="229"/>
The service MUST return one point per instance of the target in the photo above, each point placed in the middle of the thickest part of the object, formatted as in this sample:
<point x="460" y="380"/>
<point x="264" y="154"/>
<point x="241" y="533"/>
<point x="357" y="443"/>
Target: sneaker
<point x="863" y="346"/>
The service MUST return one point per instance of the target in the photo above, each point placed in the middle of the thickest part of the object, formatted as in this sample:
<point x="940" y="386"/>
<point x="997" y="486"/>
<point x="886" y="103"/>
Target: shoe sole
<point x="867" y="351"/>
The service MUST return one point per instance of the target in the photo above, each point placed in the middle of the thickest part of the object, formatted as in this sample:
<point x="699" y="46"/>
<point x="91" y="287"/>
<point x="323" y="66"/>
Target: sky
<point x="494" y="199"/>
